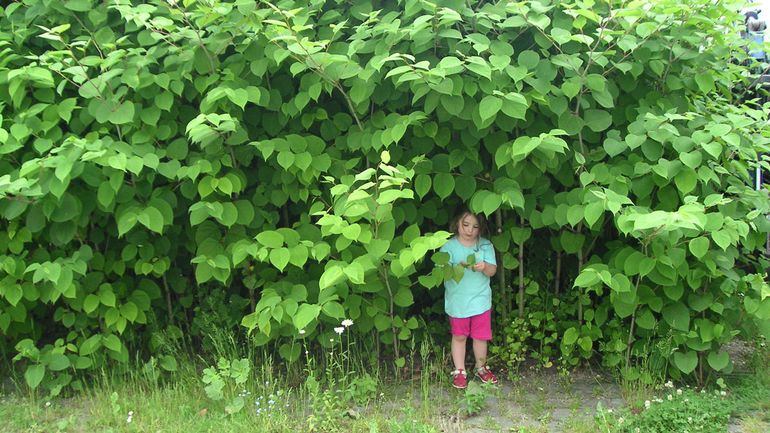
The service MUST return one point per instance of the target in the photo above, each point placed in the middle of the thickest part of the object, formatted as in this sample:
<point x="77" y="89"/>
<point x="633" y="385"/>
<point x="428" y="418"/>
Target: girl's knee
<point x="459" y="338"/>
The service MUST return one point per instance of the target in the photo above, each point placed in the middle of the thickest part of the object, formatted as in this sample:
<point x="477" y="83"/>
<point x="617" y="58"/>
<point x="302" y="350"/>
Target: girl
<point x="469" y="301"/>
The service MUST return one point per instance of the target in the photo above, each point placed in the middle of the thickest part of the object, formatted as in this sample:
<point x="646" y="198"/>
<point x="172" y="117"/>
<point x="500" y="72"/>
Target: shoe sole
<point x="487" y="381"/>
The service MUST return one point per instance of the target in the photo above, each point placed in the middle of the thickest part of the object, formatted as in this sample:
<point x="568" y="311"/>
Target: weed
<point x="474" y="399"/>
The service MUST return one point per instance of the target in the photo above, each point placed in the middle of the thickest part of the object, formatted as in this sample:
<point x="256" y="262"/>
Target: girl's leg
<point x="480" y="352"/>
<point x="458" y="351"/>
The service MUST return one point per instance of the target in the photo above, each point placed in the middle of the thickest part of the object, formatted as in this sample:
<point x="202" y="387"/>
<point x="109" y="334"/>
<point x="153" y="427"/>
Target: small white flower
<point x="620" y="420"/>
<point x="678" y="392"/>
<point x="331" y="340"/>
<point x="689" y="419"/>
<point x="669" y="384"/>
<point x="347" y="322"/>
<point x="339" y="330"/>
<point x="48" y="404"/>
<point x="130" y="413"/>
<point x="647" y="404"/>
<point x="301" y="332"/>
<point x="722" y="393"/>
<point x="670" y="397"/>
<point x="609" y="410"/>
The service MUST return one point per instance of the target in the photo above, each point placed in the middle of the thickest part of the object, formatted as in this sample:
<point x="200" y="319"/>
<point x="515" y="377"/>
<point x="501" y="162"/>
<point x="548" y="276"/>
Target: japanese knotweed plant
<point x="169" y="164"/>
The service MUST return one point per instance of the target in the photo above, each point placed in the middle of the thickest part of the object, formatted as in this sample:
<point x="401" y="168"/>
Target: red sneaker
<point x="459" y="379"/>
<point x="485" y="375"/>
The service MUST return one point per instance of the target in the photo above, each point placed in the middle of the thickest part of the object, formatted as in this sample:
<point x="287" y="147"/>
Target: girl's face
<point x="468" y="229"/>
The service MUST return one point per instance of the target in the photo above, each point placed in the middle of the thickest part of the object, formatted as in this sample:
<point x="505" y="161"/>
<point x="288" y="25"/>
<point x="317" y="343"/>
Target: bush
<point x="291" y="165"/>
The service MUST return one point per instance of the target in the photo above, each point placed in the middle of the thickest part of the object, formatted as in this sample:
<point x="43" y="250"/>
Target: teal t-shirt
<point x="472" y="295"/>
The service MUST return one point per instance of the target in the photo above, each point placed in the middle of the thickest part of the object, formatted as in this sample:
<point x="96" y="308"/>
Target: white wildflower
<point x="670" y="397"/>
<point x="678" y="392"/>
<point x="48" y="404"/>
<point x="722" y="393"/>
<point x="647" y="404"/>
<point x="609" y="410"/>
<point x="669" y="384"/>
<point x="347" y="322"/>
<point x="301" y="332"/>
<point x="689" y="419"/>
<point x="339" y="330"/>
<point x="620" y="420"/>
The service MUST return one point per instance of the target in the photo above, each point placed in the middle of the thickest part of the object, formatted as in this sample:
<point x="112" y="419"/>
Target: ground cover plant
<point x="173" y="169"/>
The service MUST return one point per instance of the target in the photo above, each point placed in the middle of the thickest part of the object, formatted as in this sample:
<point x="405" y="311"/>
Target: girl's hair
<point x="754" y="23"/>
<point x="462" y="211"/>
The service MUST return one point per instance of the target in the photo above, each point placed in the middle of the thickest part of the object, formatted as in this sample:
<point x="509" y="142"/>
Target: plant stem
<point x="521" y="276"/>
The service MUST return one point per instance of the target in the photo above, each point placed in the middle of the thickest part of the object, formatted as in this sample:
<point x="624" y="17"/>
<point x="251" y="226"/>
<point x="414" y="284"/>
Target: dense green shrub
<point x="175" y="165"/>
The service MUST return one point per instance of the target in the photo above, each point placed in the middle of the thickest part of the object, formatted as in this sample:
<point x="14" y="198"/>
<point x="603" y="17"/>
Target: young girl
<point x="469" y="301"/>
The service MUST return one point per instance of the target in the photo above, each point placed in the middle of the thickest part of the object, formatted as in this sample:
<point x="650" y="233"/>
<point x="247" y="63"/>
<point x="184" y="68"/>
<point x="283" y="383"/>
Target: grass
<point x="341" y="393"/>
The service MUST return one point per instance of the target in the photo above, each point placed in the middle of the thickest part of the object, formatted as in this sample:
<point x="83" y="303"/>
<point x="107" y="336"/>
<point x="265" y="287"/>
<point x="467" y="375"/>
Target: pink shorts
<point x="478" y="327"/>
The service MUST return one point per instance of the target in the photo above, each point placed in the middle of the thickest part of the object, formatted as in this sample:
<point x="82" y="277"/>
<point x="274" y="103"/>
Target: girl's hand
<point x="480" y="266"/>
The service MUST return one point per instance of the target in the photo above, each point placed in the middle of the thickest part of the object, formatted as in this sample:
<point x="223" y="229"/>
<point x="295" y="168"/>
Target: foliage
<point x="474" y="398"/>
<point x="677" y="411"/>
<point x="290" y="164"/>
<point x="223" y="380"/>
<point x="511" y="347"/>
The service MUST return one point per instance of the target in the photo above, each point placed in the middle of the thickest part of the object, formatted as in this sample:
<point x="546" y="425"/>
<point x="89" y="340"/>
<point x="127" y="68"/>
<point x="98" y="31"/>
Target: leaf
<point x="123" y="114"/>
<point x="691" y="159"/>
<point x="168" y="363"/>
<point x="699" y="246"/>
<point x="126" y="221"/>
<point x="306" y="313"/>
<point x="686" y="361"/>
<point x="403" y="297"/>
<point x="58" y="362"/>
<point x="91" y="303"/>
<point x="34" y="374"/>
<point x="422" y="185"/>
<point x="489" y="107"/>
<point x="152" y="219"/>
<point x="677" y="315"/>
<point x="718" y="360"/>
<point x="491" y="203"/>
<point x="593" y="211"/>
<point x="112" y="342"/>
<point x="279" y="257"/>
<point x="270" y="239"/>
<point x="355" y="272"/>
<point x="570" y="336"/>
<point x="299" y="255"/>
<point x="90" y="345"/>
<point x="721" y="238"/>
<point x="597" y="120"/>
<point x="285" y="159"/>
<point x="443" y="184"/>
<point x="334" y="309"/>
<point x="331" y="276"/>
<point x="515" y="105"/>
<point x="529" y="59"/>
